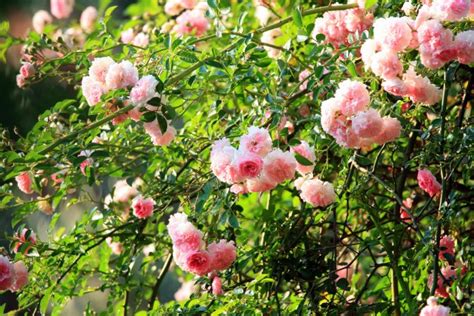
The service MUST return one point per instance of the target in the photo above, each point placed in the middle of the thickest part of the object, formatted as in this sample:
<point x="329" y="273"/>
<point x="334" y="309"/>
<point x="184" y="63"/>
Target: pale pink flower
<point x="395" y="86"/>
<point x="368" y="123"/>
<point x="303" y="149"/>
<point x="141" y="40"/>
<point x="184" y="235"/>
<point x="446" y="246"/>
<point x="135" y="114"/>
<point x="198" y="262"/>
<point x="433" y="309"/>
<point x="279" y="166"/>
<point x="386" y="64"/>
<point x="257" y="141"/>
<point x="303" y="76"/>
<point x="92" y="90"/>
<point x="143" y="208"/>
<point x="99" y="68"/>
<point x="20" y="81"/>
<point x="217" y="286"/>
<point x="21" y="276"/>
<point x="127" y="36"/>
<point x="330" y="112"/>
<point x="173" y="7"/>
<point x="40" y="20"/>
<point x="62" y="9"/>
<point x="222" y="155"/>
<point x="184" y="292"/>
<point x="191" y="22"/>
<point x="27" y="70"/>
<point x="144" y="90"/>
<point x="428" y="183"/>
<point x="391" y="130"/>
<point x="263" y="14"/>
<point x="222" y="254"/>
<point x="353" y="97"/>
<point x="23" y="180"/>
<point x="317" y="193"/>
<point x="408" y="8"/>
<point x="167" y="137"/>
<point x="420" y="89"/>
<point x="121" y="75"/>
<point x="260" y="184"/>
<point x="465" y="43"/>
<point x="239" y="188"/>
<point x="269" y="37"/>
<point x="21" y="239"/>
<point x="7" y="273"/>
<point x="123" y="192"/>
<point x="89" y="18"/>
<point x="246" y="165"/>
<point x="368" y="51"/>
<point x="437" y="45"/>
<point x="400" y="33"/>
<point x="115" y="246"/>
<point x="450" y="10"/>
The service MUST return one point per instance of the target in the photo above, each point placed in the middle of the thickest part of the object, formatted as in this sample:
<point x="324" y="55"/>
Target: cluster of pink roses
<point x="255" y="166"/>
<point x="338" y="26"/>
<point x="190" y="22"/>
<point x="190" y="254"/>
<point x="348" y="119"/>
<point x="436" y="46"/>
<point x="13" y="276"/>
<point x="128" y="195"/>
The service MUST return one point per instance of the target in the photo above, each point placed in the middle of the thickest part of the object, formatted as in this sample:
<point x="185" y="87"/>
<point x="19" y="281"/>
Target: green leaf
<point x="302" y="160"/>
<point x="148" y="117"/>
<point x="214" y="63"/>
<point x="162" y="122"/>
<point x="212" y="4"/>
<point x="351" y="69"/>
<point x="156" y="101"/>
<point x="342" y="283"/>
<point x="297" y="17"/>
<point x="370" y="3"/>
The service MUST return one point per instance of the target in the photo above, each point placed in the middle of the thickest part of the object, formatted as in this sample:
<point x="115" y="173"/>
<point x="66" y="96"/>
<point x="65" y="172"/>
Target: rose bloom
<point x="330" y="112"/>
<point x="399" y="31"/>
<point x="23" y="180"/>
<point x="257" y="141"/>
<point x="367" y="123"/>
<point x="448" y="275"/>
<point x="259" y="184"/>
<point x="191" y="22"/>
<point x="465" y="44"/>
<point x="88" y="18"/>
<point x="62" y="9"/>
<point x="279" y="166"/>
<point x="391" y="130"/>
<point x="121" y="75"/>
<point x="198" y="262"/>
<point x="99" y="68"/>
<point x="223" y="254"/>
<point x="433" y="309"/>
<point x="184" y="235"/>
<point x="317" y="193"/>
<point x="446" y="246"/>
<point x="217" y="286"/>
<point x="123" y="192"/>
<point x="302" y="78"/>
<point x="269" y="37"/>
<point x="450" y="10"/>
<point x="40" y="20"/>
<point x="92" y="90"/>
<point x="127" y="36"/>
<point x="7" y="273"/>
<point x="246" y="165"/>
<point x="368" y="51"/>
<point x="21" y="239"/>
<point x="386" y="65"/>
<point x="222" y="155"/>
<point x="428" y="182"/>
<point x="141" y="40"/>
<point x="167" y="137"/>
<point x="395" y="86"/>
<point x="303" y="149"/>
<point x="21" y="276"/>
<point x="143" y="208"/>
<point x="239" y="188"/>
<point x="420" y="89"/>
<point x="27" y="70"/>
<point x="174" y="7"/>
<point x="353" y="95"/>
<point x="144" y="90"/>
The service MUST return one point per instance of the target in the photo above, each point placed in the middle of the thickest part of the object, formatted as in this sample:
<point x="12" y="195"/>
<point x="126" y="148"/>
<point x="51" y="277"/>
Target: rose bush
<point x="277" y="157"/>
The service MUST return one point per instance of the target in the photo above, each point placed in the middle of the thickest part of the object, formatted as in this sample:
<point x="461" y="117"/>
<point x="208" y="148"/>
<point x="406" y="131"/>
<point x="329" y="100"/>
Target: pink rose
<point x="420" y="89"/>
<point x="184" y="235"/>
<point x="20" y="81"/>
<point x="433" y="309"/>
<point x="217" y="286"/>
<point x="141" y="40"/>
<point x="115" y="246"/>
<point x="465" y="44"/>
<point x="40" y="20"/>
<point x="246" y="165"/>
<point x="127" y="36"/>
<point x="222" y="155"/>
<point x="391" y="130"/>
<point x="303" y="76"/>
<point x="353" y="97"/>
<point x="121" y="75"/>
<point x="92" y="90"/>
<point x="173" y="7"/>
<point x="198" y="262"/>
<point x="23" y="180"/>
<point x="400" y="33"/>
<point x="450" y="10"/>
<point x="144" y="90"/>
<point x="27" y="70"/>
<point x="446" y="245"/>
<point x="7" y="273"/>
<point x="191" y="22"/>
<point x="386" y="65"/>
<point x="279" y="166"/>
<point x="395" y="86"/>
<point x="303" y="149"/>
<point x="99" y="68"/>
<point x="367" y="124"/>
<point x="123" y="192"/>
<point x="257" y="141"/>
<point x="62" y="9"/>
<point x="259" y="184"/>
<point x="143" y="208"/>
<point x="21" y="276"/>
<point x="89" y="18"/>
<point x="223" y="254"/>
<point x="317" y="193"/>
<point x="428" y="182"/>
<point x="444" y="281"/>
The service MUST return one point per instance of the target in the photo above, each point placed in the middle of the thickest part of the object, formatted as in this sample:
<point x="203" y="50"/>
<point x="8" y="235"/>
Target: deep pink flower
<point x="27" y="70"/>
<point x="62" y="9"/>
<point x="184" y="235"/>
<point x="428" y="182"/>
<point x="143" y="208"/>
<point x="7" y="273"/>
<point x="198" y="262"/>
<point x="223" y="254"/>
<point x="246" y="165"/>
<point x="23" y="180"/>
<point x="448" y="275"/>
<point x="40" y="20"/>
